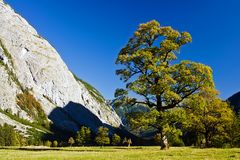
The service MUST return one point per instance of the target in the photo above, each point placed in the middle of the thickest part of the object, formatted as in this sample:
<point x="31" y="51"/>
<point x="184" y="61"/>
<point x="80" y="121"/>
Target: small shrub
<point x="55" y="143"/>
<point x="127" y="141"/>
<point x="48" y="143"/>
<point x="71" y="141"/>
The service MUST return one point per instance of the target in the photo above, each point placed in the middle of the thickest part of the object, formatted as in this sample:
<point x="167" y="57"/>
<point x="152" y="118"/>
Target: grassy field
<point x="119" y="153"/>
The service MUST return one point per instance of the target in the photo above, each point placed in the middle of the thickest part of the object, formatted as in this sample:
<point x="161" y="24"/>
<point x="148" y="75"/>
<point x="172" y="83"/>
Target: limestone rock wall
<point x="28" y="61"/>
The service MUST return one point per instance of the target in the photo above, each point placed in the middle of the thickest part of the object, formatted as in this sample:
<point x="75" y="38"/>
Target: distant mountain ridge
<point x="234" y="101"/>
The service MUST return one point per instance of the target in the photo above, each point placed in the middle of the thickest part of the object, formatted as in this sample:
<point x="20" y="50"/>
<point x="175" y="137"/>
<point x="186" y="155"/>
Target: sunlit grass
<point x="120" y="153"/>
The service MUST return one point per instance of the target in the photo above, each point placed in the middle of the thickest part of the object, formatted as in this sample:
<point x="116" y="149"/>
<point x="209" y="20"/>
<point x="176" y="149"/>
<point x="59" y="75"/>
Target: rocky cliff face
<point x="28" y="63"/>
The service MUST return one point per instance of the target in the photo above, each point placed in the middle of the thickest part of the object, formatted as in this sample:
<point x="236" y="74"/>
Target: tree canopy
<point x="102" y="136"/>
<point x="83" y="136"/>
<point x="116" y="139"/>
<point x="209" y="116"/>
<point x="149" y="69"/>
<point x="152" y="74"/>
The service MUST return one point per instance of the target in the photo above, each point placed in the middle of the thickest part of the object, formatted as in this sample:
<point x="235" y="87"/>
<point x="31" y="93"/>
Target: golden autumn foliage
<point x="27" y="102"/>
<point x="210" y="117"/>
<point x="150" y="71"/>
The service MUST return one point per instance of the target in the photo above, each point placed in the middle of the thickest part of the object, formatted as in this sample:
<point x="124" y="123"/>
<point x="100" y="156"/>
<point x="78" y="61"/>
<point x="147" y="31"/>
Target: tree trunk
<point x="164" y="142"/>
<point x="207" y="144"/>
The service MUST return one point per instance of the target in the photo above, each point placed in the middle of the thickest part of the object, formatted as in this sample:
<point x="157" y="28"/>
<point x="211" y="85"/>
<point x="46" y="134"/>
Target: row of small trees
<point x="84" y="137"/>
<point x="10" y="137"/>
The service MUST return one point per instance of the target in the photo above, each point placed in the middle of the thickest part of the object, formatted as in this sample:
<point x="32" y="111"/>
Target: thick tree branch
<point x="179" y="101"/>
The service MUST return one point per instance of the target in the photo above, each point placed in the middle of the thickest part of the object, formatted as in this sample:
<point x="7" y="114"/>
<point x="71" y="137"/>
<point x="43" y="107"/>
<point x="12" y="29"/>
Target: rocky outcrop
<point x="29" y="62"/>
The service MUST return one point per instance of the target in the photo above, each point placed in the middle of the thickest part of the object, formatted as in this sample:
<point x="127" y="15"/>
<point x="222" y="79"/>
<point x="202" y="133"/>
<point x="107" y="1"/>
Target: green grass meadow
<point x="119" y="153"/>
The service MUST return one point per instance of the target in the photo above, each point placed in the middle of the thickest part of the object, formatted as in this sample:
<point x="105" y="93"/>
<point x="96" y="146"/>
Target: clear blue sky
<point x="88" y="34"/>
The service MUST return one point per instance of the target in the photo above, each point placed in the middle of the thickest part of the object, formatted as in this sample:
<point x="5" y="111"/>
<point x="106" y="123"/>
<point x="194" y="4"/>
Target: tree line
<point x="84" y="137"/>
<point x="9" y="136"/>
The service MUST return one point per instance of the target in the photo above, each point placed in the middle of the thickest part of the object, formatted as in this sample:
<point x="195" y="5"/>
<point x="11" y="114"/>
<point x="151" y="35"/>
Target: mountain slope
<point x="234" y="100"/>
<point x="34" y="80"/>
